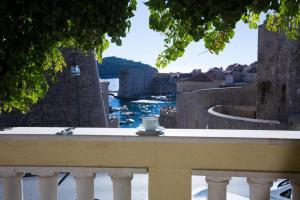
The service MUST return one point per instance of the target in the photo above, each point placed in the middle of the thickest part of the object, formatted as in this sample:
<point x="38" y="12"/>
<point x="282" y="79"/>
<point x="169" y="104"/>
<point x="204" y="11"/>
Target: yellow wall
<point x="170" y="164"/>
<point x="67" y="152"/>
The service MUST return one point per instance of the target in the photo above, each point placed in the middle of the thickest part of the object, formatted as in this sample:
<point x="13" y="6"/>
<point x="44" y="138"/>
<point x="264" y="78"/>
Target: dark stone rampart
<point x="72" y="101"/>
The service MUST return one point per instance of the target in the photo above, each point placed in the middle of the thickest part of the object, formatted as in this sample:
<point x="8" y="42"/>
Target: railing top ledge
<point x="171" y="135"/>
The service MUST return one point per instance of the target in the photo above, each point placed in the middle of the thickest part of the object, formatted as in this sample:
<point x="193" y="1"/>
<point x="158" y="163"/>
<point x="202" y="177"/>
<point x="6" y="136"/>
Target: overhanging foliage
<point x="33" y="31"/>
<point x="214" y="21"/>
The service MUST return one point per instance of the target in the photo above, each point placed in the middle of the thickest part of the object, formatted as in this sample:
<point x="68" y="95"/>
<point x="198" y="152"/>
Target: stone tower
<point x="136" y="82"/>
<point x="278" y="76"/>
<point x="72" y="101"/>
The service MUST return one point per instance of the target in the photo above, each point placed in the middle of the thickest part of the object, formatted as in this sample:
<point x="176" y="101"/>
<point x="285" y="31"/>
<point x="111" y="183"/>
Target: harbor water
<point x="137" y="109"/>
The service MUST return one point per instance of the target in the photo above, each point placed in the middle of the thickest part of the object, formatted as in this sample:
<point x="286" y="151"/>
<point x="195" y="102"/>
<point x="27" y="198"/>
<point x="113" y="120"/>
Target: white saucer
<point x="142" y="132"/>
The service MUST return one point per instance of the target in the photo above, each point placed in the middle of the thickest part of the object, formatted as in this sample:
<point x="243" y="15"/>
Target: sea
<point x="140" y="108"/>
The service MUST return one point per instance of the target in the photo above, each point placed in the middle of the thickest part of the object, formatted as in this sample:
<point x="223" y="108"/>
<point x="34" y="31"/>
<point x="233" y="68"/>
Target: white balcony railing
<point x="169" y="160"/>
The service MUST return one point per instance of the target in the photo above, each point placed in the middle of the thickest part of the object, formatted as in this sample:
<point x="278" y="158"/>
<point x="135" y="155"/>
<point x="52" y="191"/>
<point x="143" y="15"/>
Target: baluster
<point x="12" y="184"/>
<point x="84" y="185"/>
<point x="47" y="185"/>
<point x="217" y="187"/>
<point x="296" y="188"/>
<point x="260" y="188"/>
<point x="121" y="185"/>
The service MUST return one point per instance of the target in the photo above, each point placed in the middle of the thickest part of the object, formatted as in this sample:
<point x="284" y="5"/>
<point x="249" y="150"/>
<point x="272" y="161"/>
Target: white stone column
<point x="260" y="188"/>
<point x="296" y="188"/>
<point x="84" y="185"/>
<point x="12" y="185"/>
<point x="121" y="185"/>
<point x="217" y="187"/>
<point x="47" y="185"/>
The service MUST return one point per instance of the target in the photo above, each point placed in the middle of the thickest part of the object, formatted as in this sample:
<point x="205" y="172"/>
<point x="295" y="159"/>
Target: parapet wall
<point x="192" y="106"/>
<point x="238" y="117"/>
<point x="237" y="110"/>
<point x="188" y="86"/>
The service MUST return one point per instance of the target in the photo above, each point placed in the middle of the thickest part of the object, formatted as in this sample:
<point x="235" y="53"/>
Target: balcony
<point x="169" y="160"/>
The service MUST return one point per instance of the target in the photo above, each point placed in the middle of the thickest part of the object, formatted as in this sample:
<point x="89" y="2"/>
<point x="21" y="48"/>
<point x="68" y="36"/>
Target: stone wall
<point x="167" y="117"/>
<point x="162" y="85"/>
<point x="192" y="106"/>
<point x="105" y="95"/>
<point x="239" y="117"/>
<point x="188" y="86"/>
<point x="278" y="76"/>
<point x="134" y="83"/>
<point x="277" y="97"/>
<point x="237" y="110"/>
<point x="113" y="122"/>
<point x="70" y="102"/>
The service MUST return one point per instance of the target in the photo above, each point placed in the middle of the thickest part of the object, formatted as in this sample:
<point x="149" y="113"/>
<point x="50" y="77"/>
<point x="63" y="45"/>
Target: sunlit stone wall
<point x="239" y="117"/>
<point x="278" y="76"/>
<point x="192" y="106"/>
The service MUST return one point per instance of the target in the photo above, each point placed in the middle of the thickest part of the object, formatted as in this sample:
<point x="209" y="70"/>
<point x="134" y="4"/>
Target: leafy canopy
<point x="214" y="21"/>
<point x="33" y="31"/>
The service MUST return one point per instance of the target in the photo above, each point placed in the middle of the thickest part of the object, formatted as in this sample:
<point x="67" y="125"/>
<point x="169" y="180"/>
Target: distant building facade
<point x="238" y="74"/>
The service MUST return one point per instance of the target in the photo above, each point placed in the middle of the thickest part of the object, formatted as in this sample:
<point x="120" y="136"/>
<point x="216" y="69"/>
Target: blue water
<point x="140" y="108"/>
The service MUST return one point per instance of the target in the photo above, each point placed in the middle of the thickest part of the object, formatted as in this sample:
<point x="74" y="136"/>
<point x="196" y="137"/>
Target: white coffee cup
<point x="150" y="123"/>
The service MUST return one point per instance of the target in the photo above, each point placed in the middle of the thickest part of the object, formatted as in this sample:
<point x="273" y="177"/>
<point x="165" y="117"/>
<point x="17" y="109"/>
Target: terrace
<point x="169" y="160"/>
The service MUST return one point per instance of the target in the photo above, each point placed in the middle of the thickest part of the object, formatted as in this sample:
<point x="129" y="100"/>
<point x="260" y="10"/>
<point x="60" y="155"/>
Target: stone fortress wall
<point x="163" y="84"/>
<point x="72" y="101"/>
<point x="134" y="83"/>
<point x="192" y="106"/>
<point x="278" y="86"/>
<point x="236" y="110"/>
<point x="275" y="95"/>
<point x="239" y="117"/>
<point x="278" y="78"/>
<point x="188" y="86"/>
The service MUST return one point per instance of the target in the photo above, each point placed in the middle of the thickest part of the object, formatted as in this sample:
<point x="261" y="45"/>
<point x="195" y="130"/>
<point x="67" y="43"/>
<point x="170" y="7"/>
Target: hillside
<point x="111" y="66"/>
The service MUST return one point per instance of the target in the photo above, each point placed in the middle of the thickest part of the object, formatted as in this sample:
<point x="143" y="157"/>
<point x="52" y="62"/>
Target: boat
<point x="127" y="113"/>
<point x="160" y="98"/>
<point x="124" y="108"/>
<point x="129" y="121"/>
